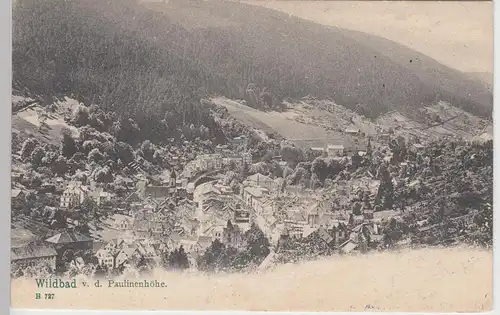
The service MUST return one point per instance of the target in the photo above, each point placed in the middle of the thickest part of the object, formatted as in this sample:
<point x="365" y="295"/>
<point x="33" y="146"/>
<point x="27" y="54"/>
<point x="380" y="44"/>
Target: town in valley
<point x="135" y="149"/>
<point x="246" y="204"/>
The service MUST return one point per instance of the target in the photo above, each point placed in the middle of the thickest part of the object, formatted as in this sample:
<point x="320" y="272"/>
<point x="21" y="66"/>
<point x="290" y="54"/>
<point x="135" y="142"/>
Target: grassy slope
<point x="313" y="120"/>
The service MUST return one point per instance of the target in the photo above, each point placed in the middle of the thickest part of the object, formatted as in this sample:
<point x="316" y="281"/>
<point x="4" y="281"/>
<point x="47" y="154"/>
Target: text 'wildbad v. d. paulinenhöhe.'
<point x="72" y="284"/>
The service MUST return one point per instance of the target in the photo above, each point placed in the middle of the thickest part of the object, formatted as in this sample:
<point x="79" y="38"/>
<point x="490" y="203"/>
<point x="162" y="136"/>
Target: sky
<point x="457" y="34"/>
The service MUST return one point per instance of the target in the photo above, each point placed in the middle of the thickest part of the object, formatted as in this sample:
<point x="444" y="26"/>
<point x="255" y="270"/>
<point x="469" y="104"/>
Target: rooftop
<point x="259" y="178"/>
<point x="352" y="130"/>
<point x="68" y="238"/>
<point x="256" y="191"/>
<point x="336" y="146"/>
<point x="15" y="192"/>
<point x="32" y="251"/>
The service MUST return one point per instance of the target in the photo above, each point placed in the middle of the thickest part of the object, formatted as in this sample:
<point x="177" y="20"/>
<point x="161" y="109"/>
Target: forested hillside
<point x="152" y="61"/>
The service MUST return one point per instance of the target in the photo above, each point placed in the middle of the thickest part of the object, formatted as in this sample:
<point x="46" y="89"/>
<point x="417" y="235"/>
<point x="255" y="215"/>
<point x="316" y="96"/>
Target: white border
<point x="5" y="61"/>
<point x="5" y="117"/>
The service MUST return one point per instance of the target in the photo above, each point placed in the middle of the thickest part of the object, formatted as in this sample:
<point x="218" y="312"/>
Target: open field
<point x="300" y="123"/>
<point x="442" y="280"/>
<point x="29" y="121"/>
<point x="308" y="123"/>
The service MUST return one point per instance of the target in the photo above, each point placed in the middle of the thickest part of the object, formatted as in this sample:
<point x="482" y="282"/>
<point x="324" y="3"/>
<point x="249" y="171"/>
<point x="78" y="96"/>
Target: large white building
<point x="210" y="161"/>
<point x="335" y="150"/>
<point x="260" y="180"/>
<point x="74" y="195"/>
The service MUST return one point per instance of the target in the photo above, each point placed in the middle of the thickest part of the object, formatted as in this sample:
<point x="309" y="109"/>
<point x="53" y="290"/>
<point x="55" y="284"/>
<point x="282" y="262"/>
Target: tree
<point x="125" y="152"/>
<point x="319" y="168"/>
<point x="95" y="155"/>
<point x="300" y="174"/>
<point x="484" y="220"/>
<point x="147" y="150"/>
<point x="42" y="270"/>
<point x="158" y="158"/>
<point x="251" y="95"/>
<point x="103" y="175"/>
<point x="142" y="265"/>
<point x="356" y="160"/>
<point x="235" y="186"/>
<point x="66" y="258"/>
<point x="89" y="145"/>
<point x="80" y="116"/>
<point x="261" y="167"/>
<point x="315" y="181"/>
<point x="100" y="271"/>
<point x="257" y="243"/>
<point x="27" y="148"/>
<point x="216" y="257"/>
<point x="292" y="155"/>
<point x="88" y="207"/>
<point x="68" y="144"/>
<point x="126" y="130"/>
<point x="266" y="98"/>
<point x="37" y="156"/>
<point x="60" y="165"/>
<point x="177" y="259"/>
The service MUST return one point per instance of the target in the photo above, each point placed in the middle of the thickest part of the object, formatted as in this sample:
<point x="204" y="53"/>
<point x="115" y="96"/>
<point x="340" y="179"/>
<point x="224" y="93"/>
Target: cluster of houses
<point x="156" y="223"/>
<point x="331" y="150"/>
<point x="233" y="154"/>
<point x="49" y="250"/>
<point x="281" y="215"/>
<point x="161" y="218"/>
<point x="75" y="193"/>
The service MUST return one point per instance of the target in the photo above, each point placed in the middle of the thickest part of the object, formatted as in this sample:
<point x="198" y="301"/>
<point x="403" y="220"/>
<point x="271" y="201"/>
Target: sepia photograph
<point x="222" y="155"/>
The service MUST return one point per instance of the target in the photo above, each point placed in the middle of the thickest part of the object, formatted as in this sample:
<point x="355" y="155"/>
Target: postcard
<point x="252" y="155"/>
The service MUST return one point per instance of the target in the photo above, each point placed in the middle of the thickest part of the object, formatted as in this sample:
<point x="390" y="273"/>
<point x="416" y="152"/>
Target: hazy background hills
<point x="458" y="34"/>
<point x="142" y="60"/>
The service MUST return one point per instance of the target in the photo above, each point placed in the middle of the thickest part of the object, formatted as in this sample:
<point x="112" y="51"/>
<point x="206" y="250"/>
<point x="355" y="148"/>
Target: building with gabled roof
<point x="325" y="236"/>
<point x="125" y="255"/>
<point x="260" y="180"/>
<point x="252" y="196"/>
<point x="74" y="194"/>
<point x="134" y="197"/>
<point x="146" y="250"/>
<point x="348" y="246"/>
<point x="33" y="254"/>
<point x="16" y="193"/>
<point x="352" y="130"/>
<point x="17" y="198"/>
<point x="70" y="240"/>
<point x="158" y="192"/>
<point x="204" y="241"/>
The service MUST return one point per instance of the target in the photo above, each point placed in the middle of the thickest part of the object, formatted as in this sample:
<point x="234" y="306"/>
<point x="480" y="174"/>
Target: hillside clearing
<point x="311" y="123"/>
<point x="42" y="124"/>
